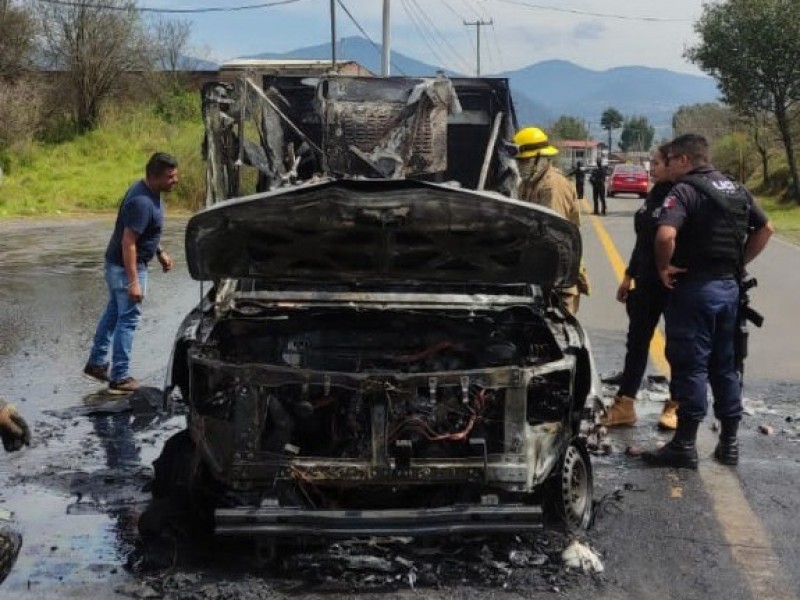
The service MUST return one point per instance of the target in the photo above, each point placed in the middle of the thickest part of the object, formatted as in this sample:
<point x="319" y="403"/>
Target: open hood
<point x="382" y="231"/>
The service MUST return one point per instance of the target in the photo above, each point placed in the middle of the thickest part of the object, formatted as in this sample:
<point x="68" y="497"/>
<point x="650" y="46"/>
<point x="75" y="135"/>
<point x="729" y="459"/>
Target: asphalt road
<point x="717" y="533"/>
<point x="720" y="532"/>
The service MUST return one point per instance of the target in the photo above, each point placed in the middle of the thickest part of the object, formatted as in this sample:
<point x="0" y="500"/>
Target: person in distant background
<point x="579" y="173"/>
<point x="598" y="181"/>
<point x="15" y="434"/>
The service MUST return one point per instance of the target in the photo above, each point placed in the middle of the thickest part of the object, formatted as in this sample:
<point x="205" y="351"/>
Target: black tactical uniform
<point x="647" y="300"/>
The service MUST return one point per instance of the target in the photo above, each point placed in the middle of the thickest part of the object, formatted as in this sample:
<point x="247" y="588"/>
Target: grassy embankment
<point x="90" y="173"/>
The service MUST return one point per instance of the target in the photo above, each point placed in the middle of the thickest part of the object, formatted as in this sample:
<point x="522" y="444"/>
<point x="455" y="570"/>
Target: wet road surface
<point x="77" y="492"/>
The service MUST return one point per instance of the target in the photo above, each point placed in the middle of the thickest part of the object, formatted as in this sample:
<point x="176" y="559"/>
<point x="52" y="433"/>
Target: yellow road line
<point x="657" y="345"/>
<point x="741" y="527"/>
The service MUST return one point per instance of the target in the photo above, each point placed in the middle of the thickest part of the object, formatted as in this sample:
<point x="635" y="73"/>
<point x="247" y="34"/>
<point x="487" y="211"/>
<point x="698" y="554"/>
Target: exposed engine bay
<point x="383" y="350"/>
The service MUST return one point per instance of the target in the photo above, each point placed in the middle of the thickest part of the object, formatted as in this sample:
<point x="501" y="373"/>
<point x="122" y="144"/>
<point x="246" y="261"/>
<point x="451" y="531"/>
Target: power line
<point x="423" y="34"/>
<point x="497" y="46"/>
<point x="454" y="53"/>
<point x="211" y="9"/>
<point x="594" y="14"/>
<point x="471" y="7"/>
<point x="364" y="33"/>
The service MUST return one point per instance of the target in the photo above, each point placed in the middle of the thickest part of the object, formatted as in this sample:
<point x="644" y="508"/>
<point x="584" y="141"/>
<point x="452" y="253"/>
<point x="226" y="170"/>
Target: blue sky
<point x="590" y="33"/>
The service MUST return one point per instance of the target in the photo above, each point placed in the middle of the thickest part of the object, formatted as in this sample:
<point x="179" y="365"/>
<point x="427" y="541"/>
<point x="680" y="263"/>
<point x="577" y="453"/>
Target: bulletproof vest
<point x="715" y="247"/>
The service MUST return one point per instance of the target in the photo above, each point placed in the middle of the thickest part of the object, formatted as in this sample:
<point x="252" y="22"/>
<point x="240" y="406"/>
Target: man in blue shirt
<point x="134" y="242"/>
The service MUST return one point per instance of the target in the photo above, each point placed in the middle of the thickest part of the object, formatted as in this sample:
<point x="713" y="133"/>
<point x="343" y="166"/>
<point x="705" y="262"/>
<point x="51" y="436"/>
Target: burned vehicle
<point x="379" y="349"/>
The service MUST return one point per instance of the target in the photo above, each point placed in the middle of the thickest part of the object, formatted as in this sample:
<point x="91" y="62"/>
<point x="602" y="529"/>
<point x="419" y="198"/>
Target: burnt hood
<point x="381" y="231"/>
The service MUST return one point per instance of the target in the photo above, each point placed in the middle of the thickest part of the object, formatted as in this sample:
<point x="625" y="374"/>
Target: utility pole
<point x="333" y="34"/>
<point x="477" y="25"/>
<point x="386" y="45"/>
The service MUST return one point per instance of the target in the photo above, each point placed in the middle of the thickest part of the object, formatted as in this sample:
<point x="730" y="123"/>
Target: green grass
<point x="785" y="216"/>
<point x="90" y="173"/>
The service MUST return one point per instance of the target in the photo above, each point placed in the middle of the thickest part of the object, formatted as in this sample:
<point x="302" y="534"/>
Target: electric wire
<point x="422" y="33"/>
<point x="594" y="14"/>
<point x="496" y="43"/>
<point x="475" y="11"/>
<point x="455" y="53"/>
<point x="144" y="9"/>
<point x="365" y="34"/>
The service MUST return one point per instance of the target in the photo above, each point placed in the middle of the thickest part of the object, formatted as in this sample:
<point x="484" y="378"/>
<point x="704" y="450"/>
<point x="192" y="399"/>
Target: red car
<point x="629" y="179"/>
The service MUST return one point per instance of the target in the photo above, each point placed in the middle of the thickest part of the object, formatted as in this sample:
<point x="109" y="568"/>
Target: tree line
<point x="637" y="133"/>
<point x="751" y="48"/>
<point x="95" y="50"/>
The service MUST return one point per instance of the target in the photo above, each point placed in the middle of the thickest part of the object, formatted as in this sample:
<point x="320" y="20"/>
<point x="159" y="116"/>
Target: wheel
<point x="183" y="499"/>
<point x="569" y="490"/>
<point x="611" y="194"/>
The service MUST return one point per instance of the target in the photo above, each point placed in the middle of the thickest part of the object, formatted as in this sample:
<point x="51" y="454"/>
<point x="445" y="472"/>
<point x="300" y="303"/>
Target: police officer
<point x="598" y="181"/>
<point x="15" y="433"/>
<point x="579" y="173"/>
<point x="709" y="229"/>
<point x="543" y="184"/>
<point x="645" y="298"/>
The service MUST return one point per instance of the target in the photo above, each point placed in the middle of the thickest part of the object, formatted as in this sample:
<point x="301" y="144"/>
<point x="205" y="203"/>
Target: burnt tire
<point x="182" y="503"/>
<point x="569" y="491"/>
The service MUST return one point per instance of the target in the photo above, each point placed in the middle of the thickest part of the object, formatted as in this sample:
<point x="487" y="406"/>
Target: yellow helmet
<point x="532" y="141"/>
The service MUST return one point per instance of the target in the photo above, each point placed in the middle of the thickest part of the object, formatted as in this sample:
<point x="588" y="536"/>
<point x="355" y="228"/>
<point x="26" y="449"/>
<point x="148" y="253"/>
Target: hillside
<point x="546" y="90"/>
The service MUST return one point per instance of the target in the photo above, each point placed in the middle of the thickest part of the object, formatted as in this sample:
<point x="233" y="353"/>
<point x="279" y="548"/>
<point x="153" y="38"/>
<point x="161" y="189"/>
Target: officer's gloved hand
<point x="13" y="428"/>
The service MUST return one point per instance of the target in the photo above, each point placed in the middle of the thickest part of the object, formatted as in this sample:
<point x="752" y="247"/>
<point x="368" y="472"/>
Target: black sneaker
<point x="123" y="386"/>
<point x="97" y="372"/>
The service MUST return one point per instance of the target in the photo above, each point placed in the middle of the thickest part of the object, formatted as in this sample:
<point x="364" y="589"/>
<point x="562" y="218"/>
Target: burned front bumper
<point x="459" y="519"/>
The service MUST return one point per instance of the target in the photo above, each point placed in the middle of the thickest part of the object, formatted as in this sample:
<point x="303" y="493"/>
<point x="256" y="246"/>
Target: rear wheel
<point x="569" y="490"/>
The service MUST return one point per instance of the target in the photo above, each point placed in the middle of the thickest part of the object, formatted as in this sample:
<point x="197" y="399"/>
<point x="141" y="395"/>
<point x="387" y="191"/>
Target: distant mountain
<point x="564" y="88"/>
<point x="546" y="90"/>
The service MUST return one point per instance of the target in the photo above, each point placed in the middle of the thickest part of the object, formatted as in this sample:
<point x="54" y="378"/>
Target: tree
<point x="611" y="119"/>
<point x="170" y="45"/>
<point x="94" y="45"/>
<point x="17" y="31"/>
<point x="752" y="49"/>
<point x="637" y="135"/>
<point x="569" y="128"/>
<point x="761" y="129"/>
<point x="712" y="120"/>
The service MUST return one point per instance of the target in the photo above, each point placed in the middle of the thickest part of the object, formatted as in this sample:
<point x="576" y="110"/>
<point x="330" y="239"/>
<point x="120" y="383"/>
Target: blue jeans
<point x="700" y="326"/>
<point x="118" y="322"/>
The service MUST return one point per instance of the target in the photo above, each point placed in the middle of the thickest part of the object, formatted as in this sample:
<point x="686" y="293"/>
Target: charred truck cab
<point x="380" y="351"/>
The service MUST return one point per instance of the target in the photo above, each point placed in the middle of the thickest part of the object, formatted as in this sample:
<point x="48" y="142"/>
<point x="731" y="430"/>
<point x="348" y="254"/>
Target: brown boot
<point x="669" y="415"/>
<point x="622" y="412"/>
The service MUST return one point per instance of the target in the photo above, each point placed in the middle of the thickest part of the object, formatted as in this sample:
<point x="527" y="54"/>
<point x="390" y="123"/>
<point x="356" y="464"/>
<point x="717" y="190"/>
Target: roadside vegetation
<point x="90" y="172"/>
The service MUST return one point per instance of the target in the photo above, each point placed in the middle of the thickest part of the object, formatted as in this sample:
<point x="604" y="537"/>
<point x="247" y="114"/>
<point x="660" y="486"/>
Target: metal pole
<point x="386" y="50"/>
<point x="333" y="34"/>
<point x="477" y="25"/>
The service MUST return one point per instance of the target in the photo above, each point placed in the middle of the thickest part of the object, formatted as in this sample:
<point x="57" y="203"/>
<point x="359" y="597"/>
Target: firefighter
<point x="542" y="183"/>
<point x="15" y="434"/>
<point x="708" y="230"/>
